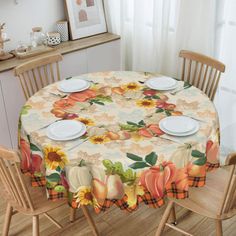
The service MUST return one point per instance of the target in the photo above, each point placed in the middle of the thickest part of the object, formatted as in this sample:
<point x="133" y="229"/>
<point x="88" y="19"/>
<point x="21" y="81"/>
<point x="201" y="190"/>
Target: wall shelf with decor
<point x="64" y="48"/>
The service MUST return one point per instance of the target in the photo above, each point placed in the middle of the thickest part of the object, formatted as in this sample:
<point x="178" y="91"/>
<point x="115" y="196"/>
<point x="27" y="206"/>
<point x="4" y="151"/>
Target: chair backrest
<point x="228" y="206"/>
<point x="14" y="186"/>
<point x="201" y="71"/>
<point x="38" y="73"/>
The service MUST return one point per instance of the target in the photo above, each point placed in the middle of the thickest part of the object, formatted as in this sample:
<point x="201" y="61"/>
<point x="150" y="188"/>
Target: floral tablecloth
<point x="123" y="158"/>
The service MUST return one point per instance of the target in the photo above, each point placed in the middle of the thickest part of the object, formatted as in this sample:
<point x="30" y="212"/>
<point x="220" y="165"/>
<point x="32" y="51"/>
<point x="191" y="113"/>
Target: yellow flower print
<point x="146" y="103"/>
<point x="86" y="121"/>
<point x="84" y="195"/>
<point x="55" y="157"/>
<point x="131" y="87"/>
<point x="99" y="139"/>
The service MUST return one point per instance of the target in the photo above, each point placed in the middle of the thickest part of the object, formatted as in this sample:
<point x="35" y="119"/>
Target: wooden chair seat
<point x="38" y="196"/>
<point x="216" y="200"/>
<point x="198" y="200"/>
<point x="22" y="198"/>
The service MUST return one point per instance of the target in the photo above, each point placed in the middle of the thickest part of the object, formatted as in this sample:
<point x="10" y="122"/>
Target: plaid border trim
<point x="53" y="195"/>
<point x="37" y="181"/>
<point x="194" y="181"/>
<point x="123" y="205"/>
<point x="210" y="166"/>
<point x="174" y="192"/>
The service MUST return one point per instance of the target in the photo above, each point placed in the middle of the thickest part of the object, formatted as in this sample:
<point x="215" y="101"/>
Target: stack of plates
<point x="65" y="130"/>
<point x="161" y="83"/>
<point x="179" y="125"/>
<point x="73" y="85"/>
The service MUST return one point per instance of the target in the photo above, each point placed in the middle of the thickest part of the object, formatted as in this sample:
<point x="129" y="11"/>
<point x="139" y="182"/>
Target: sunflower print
<point x="84" y="196"/>
<point x="131" y="87"/>
<point x="99" y="139"/>
<point x="146" y="103"/>
<point x="86" y="121"/>
<point x="55" y="157"/>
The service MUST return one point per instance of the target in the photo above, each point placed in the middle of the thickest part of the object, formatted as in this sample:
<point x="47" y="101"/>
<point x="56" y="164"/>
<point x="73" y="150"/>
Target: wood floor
<point x="115" y="222"/>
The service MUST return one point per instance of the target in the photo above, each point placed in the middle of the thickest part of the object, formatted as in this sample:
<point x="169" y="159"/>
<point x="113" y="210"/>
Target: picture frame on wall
<point x="86" y="18"/>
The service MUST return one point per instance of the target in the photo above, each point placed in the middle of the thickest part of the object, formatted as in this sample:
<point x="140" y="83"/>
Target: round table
<point x="124" y="158"/>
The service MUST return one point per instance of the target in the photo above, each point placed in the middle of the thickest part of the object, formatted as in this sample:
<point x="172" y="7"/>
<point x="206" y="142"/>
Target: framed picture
<point x="86" y="17"/>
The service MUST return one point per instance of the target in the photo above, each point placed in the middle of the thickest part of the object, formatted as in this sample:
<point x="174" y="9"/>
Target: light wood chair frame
<point x="19" y="199"/>
<point x="38" y="73"/>
<point x="225" y="210"/>
<point x="201" y="71"/>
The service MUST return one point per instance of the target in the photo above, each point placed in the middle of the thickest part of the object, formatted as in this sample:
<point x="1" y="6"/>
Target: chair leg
<point x="164" y="218"/>
<point x="35" y="226"/>
<point x="90" y="220"/>
<point x="72" y="214"/>
<point x="173" y="219"/>
<point x="219" y="231"/>
<point x="6" y="226"/>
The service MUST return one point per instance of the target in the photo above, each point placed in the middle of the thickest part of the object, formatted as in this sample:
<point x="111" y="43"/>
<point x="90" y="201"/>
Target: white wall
<point x="21" y="17"/>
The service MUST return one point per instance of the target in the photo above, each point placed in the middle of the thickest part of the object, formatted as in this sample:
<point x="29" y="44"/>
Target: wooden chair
<point x="216" y="200"/>
<point x="25" y="199"/>
<point x="201" y="71"/>
<point x="38" y="73"/>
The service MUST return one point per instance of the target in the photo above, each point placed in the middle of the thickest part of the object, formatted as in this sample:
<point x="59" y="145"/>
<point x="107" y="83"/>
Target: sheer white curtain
<point x="226" y="51"/>
<point x="154" y="31"/>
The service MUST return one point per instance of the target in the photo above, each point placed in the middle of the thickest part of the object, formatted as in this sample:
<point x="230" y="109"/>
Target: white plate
<point x="73" y="85"/>
<point x="66" y="130"/>
<point x="179" y="125"/>
<point x="161" y="83"/>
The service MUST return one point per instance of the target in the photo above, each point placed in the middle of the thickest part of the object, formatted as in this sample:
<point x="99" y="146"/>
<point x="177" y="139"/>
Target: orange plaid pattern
<point x="174" y="192"/>
<point x="210" y="166"/>
<point x="194" y="181"/>
<point x="37" y="181"/>
<point x="54" y="195"/>
<point x="123" y="205"/>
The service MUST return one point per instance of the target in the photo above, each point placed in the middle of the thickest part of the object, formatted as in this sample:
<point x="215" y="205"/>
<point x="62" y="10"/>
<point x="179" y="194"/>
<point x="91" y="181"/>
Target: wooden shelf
<point x="64" y="48"/>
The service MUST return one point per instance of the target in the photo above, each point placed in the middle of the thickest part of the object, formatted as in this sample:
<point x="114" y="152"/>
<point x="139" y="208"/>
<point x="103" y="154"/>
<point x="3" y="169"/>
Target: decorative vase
<point x="62" y="28"/>
<point x="53" y="38"/>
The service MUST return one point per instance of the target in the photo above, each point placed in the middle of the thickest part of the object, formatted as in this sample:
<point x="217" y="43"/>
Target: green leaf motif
<point x="134" y="157"/>
<point x="197" y="154"/>
<point x="200" y="161"/>
<point x="139" y="165"/>
<point x="132" y="123"/>
<point x="58" y="169"/>
<point x="25" y="109"/>
<point x="97" y="102"/>
<point x="151" y="158"/>
<point x="167" y="113"/>
<point x="104" y="98"/>
<point x="142" y="123"/>
<point x="155" y="97"/>
<point x="129" y="127"/>
<point x="82" y="163"/>
<point x="159" y="110"/>
<point x="53" y="177"/>
<point x="33" y="147"/>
